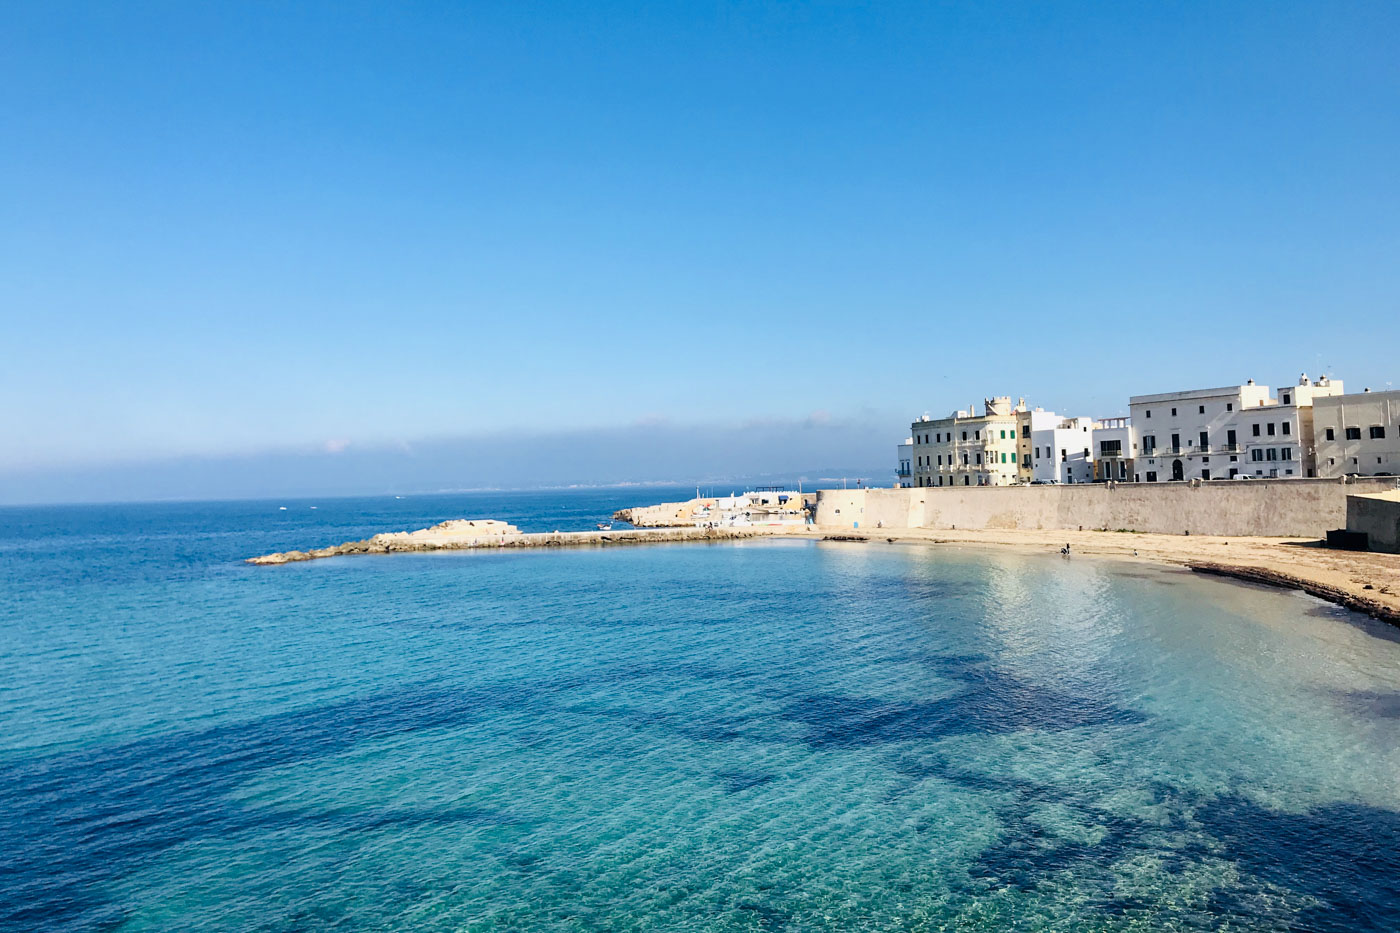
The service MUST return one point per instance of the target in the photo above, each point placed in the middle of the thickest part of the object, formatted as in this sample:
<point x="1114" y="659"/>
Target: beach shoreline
<point x="1364" y="581"/>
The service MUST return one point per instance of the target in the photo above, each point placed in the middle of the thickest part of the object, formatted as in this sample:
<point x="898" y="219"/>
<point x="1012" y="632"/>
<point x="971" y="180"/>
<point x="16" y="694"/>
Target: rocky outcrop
<point x="662" y="515"/>
<point x="439" y="538"/>
<point x="1334" y="594"/>
<point x="451" y="534"/>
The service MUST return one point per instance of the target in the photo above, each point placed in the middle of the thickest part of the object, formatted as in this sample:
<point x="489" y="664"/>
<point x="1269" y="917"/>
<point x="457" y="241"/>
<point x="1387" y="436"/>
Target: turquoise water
<point x="743" y="736"/>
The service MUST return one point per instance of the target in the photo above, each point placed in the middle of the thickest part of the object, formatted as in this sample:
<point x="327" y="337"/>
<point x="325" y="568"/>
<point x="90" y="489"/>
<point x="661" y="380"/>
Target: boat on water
<point x="605" y="526"/>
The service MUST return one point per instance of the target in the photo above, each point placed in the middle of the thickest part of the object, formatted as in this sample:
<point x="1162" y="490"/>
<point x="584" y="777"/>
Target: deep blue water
<point x="744" y="736"/>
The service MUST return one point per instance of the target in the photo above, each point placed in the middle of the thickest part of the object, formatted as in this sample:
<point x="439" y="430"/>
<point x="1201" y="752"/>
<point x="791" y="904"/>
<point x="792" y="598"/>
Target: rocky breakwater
<point x="449" y="535"/>
<point x="661" y="515"/>
<point x="462" y="534"/>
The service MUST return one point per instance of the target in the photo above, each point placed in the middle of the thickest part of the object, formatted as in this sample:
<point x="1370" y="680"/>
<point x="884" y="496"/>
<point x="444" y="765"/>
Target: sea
<point x="741" y="736"/>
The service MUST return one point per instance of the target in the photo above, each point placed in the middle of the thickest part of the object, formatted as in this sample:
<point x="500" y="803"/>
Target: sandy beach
<point x="1362" y="580"/>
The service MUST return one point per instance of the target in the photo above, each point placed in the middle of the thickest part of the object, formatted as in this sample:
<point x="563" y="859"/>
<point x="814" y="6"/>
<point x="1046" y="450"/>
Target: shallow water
<point x="743" y="736"/>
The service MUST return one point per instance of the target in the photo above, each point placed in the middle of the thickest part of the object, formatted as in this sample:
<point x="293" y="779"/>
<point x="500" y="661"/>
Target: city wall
<point x="1378" y="517"/>
<point x="1282" y="508"/>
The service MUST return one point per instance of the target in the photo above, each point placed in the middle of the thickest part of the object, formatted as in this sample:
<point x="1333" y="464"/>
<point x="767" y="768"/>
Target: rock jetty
<point x="463" y="534"/>
<point x="661" y="515"/>
<point x="451" y="534"/>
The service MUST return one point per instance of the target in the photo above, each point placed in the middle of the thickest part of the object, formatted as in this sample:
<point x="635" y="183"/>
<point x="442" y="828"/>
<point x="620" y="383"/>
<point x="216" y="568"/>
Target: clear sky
<point x="240" y="230"/>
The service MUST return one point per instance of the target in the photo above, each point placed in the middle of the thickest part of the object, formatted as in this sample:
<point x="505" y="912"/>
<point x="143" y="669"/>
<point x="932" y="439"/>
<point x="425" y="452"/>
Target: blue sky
<point x="242" y="230"/>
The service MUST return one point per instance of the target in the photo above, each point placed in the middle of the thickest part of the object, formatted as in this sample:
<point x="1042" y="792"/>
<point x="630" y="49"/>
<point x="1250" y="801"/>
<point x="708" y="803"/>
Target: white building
<point x="1031" y="423"/>
<point x="967" y="449"/>
<point x="1063" y="453"/>
<point x="1224" y="432"/>
<point x="1115" y="447"/>
<point x="904" y="473"/>
<point x="1358" y="433"/>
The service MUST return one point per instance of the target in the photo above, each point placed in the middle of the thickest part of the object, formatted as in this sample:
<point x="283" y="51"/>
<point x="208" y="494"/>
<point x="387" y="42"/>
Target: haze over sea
<point x="766" y="735"/>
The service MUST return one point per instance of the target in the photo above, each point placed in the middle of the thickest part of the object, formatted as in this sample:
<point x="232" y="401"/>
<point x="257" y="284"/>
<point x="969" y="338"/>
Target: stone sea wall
<point x="1279" y="508"/>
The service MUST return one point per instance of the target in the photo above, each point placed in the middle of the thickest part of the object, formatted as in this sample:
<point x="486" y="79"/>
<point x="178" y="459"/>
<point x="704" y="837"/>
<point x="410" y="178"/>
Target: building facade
<point x="1115" y="447"/>
<point x="967" y="449"/>
<point x="1358" y="433"/>
<point x="904" y="472"/>
<point x="1226" y="432"/>
<point x="1031" y="423"/>
<point x="1063" y="453"/>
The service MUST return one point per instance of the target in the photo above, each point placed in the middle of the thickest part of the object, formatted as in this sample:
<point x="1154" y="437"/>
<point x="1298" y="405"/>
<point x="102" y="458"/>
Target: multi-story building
<point x="904" y="474"/>
<point x="1114" y="446"/>
<point x="1358" y="433"/>
<point x="1032" y="422"/>
<point x="967" y="449"/>
<point x="1063" y="452"/>
<point x="1224" y="432"/>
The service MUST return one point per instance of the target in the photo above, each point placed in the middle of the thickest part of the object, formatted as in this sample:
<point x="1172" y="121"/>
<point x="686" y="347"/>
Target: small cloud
<point x="819" y="418"/>
<point x="336" y="446"/>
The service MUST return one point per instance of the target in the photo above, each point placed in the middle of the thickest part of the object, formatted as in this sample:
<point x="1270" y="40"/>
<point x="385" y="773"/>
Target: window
<point x="1271" y="429"/>
<point x="1205" y="474"/>
<point x="1176" y="442"/>
<point x="1003" y="458"/>
<point x="964" y="459"/>
<point x="1285" y="453"/>
<point x="976" y="435"/>
<point x="1331" y="435"/>
<point x="1149" y="413"/>
<point x="940" y="459"/>
<point x="1287" y="427"/>
<point x="1377" y="432"/>
<point x="1013" y="457"/>
<point x="1271" y="453"/>
<point x="1205" y="441"/>
<point x="1149" y="442"/>
<point x="1110" y="448"/>
<point x="1287" y="399"/>
<point x="1025" y="430"/>
<point x="1003" y="434"/>
<point x="979" y="459"/>
<point x="1063" y="455"/>
<point x="1353" y="434"/>
<point x="1203" y="411"/>
<point x="1256" y="454"/>
<point x="1256" y="430"/>
<point x="1173" y="412"/>
<point x="965" y="481"/>
<point x="1229" y="406"/>
<point x="1230" y="438"/>
<point x="1151" y="476"/>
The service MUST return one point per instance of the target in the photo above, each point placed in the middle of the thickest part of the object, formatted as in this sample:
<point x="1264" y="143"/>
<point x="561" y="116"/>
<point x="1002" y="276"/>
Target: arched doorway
<point x="1177" y="472"/>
